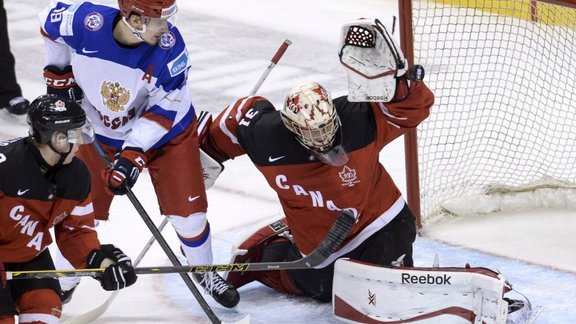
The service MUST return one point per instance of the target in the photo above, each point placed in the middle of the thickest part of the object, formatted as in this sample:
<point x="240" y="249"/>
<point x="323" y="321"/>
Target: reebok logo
<point x="21" y="192"/>
<point x="85" y="51"/>
<point x="426" y="280"/>
<point x="274" y="159"/>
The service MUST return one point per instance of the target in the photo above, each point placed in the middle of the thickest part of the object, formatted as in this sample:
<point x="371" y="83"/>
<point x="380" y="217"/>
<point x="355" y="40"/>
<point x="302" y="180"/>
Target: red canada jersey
<point x="35" y="197"/>
<point x="313" y="193"/>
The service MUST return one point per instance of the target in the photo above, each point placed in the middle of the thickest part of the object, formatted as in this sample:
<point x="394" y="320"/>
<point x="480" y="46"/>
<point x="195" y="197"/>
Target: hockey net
<point x="502" y="132"/>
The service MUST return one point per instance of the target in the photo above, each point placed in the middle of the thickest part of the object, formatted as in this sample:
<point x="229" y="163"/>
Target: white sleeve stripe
<point x="71" y="228"/>
<point x="38" y="317"/>
<point x="387" y="113"/>
<point x="83" y="210"/>
<point x="239" y="112"/>
<point x="222" y="123"/>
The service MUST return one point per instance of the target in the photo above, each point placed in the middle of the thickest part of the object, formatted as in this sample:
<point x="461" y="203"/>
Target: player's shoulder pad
<point x="260" y="104"/>
<point x="358" y="122"/>
<point x="172" y="47"/>
<point x="63" y="19"/>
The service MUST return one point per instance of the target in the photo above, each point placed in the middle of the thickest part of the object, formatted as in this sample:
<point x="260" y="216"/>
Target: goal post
<point x="502" y="131"/>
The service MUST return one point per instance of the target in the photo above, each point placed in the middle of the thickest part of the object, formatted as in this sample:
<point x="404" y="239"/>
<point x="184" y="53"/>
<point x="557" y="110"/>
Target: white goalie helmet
<point x="309" y="113"/>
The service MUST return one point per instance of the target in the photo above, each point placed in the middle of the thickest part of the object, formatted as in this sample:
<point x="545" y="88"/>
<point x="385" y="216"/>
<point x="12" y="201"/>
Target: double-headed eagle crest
<point x="114" y="96"/>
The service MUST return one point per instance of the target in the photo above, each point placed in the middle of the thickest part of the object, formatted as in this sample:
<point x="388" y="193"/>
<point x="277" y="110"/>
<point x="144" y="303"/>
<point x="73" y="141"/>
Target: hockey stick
<point x="333" y="239"/>
<point x="93" y="314"/>
<point x="272" y="64"/>
<point x="156" y="233"/>
<point x="100" y="310"/>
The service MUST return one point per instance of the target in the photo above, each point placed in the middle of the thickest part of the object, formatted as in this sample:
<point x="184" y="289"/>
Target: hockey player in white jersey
<point x="129" y="67"/>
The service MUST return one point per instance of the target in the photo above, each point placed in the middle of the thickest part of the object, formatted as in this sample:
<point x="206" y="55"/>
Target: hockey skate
<point x="68" y="288"/>
<point x="18" y="106"/>
<point x="214" y="284"/>
<point x="521" y="311"/>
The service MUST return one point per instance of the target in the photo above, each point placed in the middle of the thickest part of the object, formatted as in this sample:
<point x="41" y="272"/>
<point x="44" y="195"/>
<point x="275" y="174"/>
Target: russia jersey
<point x="136" y="96"/>
<point x="313" y="193"/>
<point x="32" y="202"/>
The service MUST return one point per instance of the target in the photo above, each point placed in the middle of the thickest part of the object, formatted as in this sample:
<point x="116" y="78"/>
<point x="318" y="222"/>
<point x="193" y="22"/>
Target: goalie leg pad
<point x="269" y="244"/>
<point x="366" y="293"/>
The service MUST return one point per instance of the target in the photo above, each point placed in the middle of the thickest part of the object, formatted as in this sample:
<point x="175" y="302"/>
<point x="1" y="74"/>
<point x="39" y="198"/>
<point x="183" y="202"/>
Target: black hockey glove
<point x="119" y="271"/>
<point x="60" y="81"/>
<point x="127" y="167"/>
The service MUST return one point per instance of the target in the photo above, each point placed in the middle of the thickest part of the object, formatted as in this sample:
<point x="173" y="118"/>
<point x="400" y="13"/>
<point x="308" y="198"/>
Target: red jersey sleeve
<point x="395" y="118"/>
<point x="76" y="236"/>
<point x="223" y="137"/>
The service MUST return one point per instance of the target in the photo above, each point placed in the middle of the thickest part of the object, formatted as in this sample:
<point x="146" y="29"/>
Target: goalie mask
<point x="309" y="113"/>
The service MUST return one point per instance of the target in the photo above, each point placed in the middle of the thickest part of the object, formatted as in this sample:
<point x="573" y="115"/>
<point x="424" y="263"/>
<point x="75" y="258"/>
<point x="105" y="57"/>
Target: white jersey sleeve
<point x="136" y="96"/>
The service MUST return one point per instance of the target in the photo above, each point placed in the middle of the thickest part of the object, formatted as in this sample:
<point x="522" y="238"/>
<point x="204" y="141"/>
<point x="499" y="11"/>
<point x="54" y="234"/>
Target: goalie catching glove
<point x="119" y="272"/>
<point x="375" y="64"/>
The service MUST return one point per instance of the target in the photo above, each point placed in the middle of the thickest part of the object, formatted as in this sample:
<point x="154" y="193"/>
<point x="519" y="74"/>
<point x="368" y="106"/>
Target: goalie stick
<point x="334" y="238"/>
<point x="283" y="47"/>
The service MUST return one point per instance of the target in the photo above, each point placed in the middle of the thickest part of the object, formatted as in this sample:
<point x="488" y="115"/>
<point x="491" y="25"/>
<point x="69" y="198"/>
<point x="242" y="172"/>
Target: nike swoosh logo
<point x="191" y="199"/>
<point x="85" y="51"/>
<point x="274" y="159"/>
<point x="21" y="192"/>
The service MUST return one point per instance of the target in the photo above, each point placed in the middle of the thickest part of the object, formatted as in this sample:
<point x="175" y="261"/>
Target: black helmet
<point x="50" y="113"/>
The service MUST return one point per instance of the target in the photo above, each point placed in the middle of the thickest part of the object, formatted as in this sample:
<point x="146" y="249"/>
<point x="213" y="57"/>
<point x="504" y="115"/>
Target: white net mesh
<point x="505" y="111"/>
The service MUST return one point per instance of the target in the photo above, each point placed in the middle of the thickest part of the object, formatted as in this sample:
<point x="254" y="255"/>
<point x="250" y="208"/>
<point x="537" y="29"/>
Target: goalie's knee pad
<point x="269" y="244"/>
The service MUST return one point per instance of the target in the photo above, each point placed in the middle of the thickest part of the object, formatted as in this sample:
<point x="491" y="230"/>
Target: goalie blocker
<point x="367" y="293"/>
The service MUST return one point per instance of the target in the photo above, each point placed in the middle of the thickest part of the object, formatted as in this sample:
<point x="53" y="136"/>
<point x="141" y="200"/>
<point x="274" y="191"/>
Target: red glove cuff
<point x="59" y="79"/>
<point x="134" y="155"/>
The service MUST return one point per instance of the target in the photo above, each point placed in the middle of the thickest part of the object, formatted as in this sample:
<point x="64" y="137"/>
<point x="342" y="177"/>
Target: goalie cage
<point x="502" y="128"/>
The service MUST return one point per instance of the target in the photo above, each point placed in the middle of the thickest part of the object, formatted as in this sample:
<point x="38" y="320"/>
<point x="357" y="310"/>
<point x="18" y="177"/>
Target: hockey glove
<point x="119" y="271"/>
<point x="127" y="166"/>
<point x="61" y="82"/>
<point x="211" y="168"/>
<point x="373" y="60"/>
